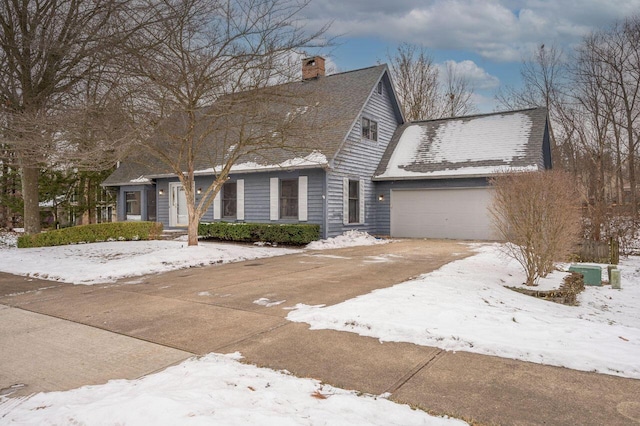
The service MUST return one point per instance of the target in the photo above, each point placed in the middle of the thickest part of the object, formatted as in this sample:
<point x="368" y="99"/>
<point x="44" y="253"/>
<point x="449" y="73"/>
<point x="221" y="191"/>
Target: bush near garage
<point x="293" y="234"/>
<point x="98" y="232"/>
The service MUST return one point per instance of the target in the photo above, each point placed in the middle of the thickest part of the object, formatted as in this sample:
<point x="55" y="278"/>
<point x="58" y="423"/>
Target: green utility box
<point x="592" y="273"/>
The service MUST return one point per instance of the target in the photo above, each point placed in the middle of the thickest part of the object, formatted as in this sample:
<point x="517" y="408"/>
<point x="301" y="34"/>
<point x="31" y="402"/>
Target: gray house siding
<point x="358" y="160"/>
<point x="384" y="188"/>
<point x="257" y="196"/>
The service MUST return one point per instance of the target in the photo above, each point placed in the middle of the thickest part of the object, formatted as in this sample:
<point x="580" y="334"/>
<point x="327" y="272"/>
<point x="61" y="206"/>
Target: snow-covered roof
<point x="470" y="146"/>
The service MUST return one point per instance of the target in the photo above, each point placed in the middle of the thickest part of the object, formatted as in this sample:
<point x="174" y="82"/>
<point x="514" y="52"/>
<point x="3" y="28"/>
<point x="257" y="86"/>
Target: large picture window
<point x="289" y="199"/>
<point x="369" y="129"/>
<point x="229" y="200"/>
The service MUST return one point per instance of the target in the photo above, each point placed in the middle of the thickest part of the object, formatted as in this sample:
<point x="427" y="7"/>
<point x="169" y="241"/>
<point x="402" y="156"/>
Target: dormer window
<point x="369" y="129"/>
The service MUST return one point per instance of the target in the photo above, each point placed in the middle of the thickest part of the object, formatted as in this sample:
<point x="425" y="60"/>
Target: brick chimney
<point x="312" y="67"/>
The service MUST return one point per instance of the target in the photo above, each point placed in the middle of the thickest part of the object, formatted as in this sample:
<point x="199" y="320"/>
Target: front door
<point x="178" y="215"/>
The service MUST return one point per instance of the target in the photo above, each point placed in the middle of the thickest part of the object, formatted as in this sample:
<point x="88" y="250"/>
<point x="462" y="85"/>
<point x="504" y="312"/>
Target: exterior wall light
<point x="381" y="197"/>
<point x="199" y="191"/>
<point x="161" y="192"/>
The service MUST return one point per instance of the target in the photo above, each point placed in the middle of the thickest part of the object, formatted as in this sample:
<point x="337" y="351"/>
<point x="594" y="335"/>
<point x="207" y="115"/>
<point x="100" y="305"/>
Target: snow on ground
<point x="8" y="239"/>
<point x="348" y="239"/>
<point x="215" y="389"/>
<point x="107" y="262"/>
<point x="464" y="306"/>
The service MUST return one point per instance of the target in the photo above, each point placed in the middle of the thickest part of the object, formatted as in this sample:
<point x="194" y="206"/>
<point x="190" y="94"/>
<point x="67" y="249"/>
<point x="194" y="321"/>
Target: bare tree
<point x="617" y="51"/>
<point x="49" y="50"/>
<point x="423" y="91"/>
<point x="458" y="93"/>
<point x="203" y="86"/>
<point x="416" y="82"/>
<point x="538" y="215"/>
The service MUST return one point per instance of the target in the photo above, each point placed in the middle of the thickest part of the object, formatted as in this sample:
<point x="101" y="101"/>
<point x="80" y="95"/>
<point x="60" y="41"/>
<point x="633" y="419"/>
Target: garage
<point x="459" y="213"/>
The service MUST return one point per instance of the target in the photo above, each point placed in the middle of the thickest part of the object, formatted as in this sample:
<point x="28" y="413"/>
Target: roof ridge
<point x="356" y="70"/>
<point x="485" y="114"/>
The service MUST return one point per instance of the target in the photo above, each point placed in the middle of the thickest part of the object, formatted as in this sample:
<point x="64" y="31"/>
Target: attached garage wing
<point x="460" y="213"/>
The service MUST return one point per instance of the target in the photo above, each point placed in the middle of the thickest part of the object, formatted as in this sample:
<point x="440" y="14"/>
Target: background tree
<point x="423" y="91"/>
<point x="203" y="79"/>
<point x="51" y="52"/>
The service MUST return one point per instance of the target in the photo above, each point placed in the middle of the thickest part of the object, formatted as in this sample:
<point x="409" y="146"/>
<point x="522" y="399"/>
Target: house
<point x="359" y="168"/>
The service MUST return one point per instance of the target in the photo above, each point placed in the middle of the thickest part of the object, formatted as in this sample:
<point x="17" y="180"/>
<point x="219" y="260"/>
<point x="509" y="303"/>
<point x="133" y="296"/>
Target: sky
<point x="487" y="39"/>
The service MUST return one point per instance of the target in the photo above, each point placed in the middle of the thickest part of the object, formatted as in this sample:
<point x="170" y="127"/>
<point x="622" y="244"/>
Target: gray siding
<point x="384" y="188"/>
<point x="256" y="196"/>
<point x="358" y="159"/>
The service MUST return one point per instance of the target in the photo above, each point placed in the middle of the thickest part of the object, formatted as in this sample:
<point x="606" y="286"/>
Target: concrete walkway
<point x="159" y="320"/>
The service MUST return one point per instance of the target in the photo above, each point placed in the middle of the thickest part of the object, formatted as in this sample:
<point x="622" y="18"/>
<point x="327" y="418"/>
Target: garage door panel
<point x="441" y="213"/>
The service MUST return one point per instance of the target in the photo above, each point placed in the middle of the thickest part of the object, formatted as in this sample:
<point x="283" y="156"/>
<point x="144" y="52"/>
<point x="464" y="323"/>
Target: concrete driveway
<point x="70" y="335"/>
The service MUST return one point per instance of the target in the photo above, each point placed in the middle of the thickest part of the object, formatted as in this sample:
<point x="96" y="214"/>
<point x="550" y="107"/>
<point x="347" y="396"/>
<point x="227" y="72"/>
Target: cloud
<point x="503" y="30"/>
<point x="477" y="76"/>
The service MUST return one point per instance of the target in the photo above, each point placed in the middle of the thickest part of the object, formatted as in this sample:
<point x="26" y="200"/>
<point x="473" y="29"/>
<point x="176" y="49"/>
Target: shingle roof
<point x="478" y="145"/>
<point x="336" y="103"/>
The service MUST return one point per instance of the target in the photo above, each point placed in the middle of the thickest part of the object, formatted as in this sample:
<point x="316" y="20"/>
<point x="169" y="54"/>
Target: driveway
<point x="138" y="326"/>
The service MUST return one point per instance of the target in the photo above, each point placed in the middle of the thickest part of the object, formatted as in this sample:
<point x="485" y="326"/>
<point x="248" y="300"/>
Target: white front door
<point x="178" y="215"/>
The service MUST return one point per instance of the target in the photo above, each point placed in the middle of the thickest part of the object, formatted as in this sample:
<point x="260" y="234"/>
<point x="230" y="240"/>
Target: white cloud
<point x="477" y="76"/>
<point x="498" y="30"/>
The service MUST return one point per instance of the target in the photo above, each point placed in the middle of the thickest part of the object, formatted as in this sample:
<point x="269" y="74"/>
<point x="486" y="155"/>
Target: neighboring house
<point x="356" y="170"/>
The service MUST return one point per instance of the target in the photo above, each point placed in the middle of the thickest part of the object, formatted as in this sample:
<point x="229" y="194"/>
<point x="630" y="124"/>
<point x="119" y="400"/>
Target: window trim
<point x="369" y="129"/>
<point x="379" y="88"/>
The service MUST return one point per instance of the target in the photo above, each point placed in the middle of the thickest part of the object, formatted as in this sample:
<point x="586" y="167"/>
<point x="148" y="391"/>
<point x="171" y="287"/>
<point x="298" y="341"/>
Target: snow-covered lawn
<point x="215" y="389"/>
<point x="110" y="261"/>
<point x="464" y="306"/>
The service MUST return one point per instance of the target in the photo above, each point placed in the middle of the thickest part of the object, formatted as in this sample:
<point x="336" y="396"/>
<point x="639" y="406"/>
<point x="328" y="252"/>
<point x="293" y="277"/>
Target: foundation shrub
<point x="98" y="232"/>
<point x="293" y="234"/>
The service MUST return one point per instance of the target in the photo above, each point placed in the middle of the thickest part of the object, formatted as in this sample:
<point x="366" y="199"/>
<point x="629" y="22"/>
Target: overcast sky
<point x="488" y="39"/>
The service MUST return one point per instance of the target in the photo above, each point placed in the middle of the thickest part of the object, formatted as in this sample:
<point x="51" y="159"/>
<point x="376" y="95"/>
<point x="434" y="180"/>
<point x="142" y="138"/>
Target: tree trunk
<point x="192" y="230"/>
<point x="30" y="197"/>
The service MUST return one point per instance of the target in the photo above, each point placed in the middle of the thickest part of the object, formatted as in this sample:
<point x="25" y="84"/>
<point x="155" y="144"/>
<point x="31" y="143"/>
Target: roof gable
<point x="477" y="145"/>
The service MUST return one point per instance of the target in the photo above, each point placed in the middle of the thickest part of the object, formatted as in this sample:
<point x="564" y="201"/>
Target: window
<point x="133" y="202"/>
<point x="380" y="87"/>
<point x="229" y="199"/>
<point x="369" y="129"/>
<point x="289" y="199"/>
<point x="354" y="201"/>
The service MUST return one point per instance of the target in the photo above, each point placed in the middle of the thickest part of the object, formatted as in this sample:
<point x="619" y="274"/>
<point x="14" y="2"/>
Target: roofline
<point x="459" y="176"/>
<point x="486" y="114"/>
<point x="324" y="166"/>
<point x="431" y="177"/>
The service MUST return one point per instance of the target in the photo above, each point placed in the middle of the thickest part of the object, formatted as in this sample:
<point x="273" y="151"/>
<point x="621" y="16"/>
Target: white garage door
<point x="442" y="213"/>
